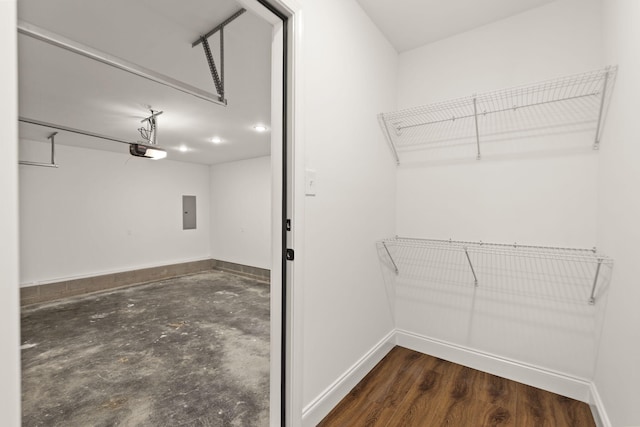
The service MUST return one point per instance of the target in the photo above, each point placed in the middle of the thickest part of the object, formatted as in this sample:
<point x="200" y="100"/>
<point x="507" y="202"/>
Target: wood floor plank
<point x="361" y="400"/>
<point x="422" y="405"/>
<point x="540" y="408"/>
<point x="410" y="389"/>
<point x="494" y="401"/>
<point x="474" y="399"/>
<point x="405" y="380"/>
<point x="374" y="400"/>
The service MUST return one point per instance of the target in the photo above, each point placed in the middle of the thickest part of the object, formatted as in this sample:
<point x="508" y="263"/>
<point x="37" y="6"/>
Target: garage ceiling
<point x="61" y="87"/>
<point x="408" y="24"/>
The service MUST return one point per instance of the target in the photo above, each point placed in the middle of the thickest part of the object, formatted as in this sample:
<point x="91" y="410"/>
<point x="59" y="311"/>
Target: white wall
<point x="491" y="199"/>
<point x="241" y="212"/>
<point x="540" y="198"/>
<point x="103" y="212"/>
<point x="9" y="300"/>
<point x="350" y="73"/>
<point x="617" y="374"/>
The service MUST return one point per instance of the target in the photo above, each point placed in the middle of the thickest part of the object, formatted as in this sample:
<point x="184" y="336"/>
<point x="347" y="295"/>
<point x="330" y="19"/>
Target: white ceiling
<point x="61" y="87"/>
<point x="408" y="24"/>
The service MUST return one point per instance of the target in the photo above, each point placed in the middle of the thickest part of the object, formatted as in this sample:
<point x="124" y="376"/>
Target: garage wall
<point x="103" y="212"/>
<point x="241" y="212"/>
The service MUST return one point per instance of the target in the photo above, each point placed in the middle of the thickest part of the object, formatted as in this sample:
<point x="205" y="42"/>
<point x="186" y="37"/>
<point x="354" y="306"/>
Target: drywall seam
<point x="315" y="411"/>
<point x="556" y="382"/>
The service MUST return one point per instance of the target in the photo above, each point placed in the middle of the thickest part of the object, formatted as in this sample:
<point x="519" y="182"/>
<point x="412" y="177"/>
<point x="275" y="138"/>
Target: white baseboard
<point x="315" y="411"/>
<point x="597" y="408"/>
<point x="556" y="382"/>
<point x="110" y="271"/>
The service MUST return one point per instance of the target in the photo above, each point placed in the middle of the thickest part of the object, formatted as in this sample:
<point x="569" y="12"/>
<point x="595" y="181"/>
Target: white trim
<point x="276" y="225"/>
<point x="597" y="408"/>
<point x="9" y="266"/>
<point x="556" y="382"/>
<point x="296" y="275"/>
<point x="295" y="272"/>
<point x="315" y="411"/>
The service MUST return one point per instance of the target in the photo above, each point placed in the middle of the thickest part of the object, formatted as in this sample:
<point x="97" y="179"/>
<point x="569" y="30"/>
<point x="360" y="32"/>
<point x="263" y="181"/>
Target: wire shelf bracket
<point x="475" y="120"/>
<point x="544" y="271"/>
<point x="592" y="298"/>
<point x="218" y="77"/>
<point x="596" y="144"/>
<point x="473" y="271"/>
<point x="578" y="99"/>
<point x="52" y="163"/>
<point x="395" y="266"/>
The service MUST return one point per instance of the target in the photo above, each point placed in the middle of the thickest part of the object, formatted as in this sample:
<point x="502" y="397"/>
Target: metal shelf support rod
<point x="499" y="245"/>
<point x="592" y="299"/>
<point x="475" y="278"/>
<point x="501" y="110"/>
<point x="596" y="143"/>
<point x="475" y="116"/>
<point x="395" y="267"/>
<point x="393" y="148"/>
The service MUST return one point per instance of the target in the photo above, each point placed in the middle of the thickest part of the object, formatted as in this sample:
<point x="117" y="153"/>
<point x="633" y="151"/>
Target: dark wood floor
<point x="408" y="388"/>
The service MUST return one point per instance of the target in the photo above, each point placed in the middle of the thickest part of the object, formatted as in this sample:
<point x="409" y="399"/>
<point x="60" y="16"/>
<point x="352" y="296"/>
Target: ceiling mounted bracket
<point x="214" y="71"/>
<point x="218" y="77"/>
<point x="52" y="164"/>
<point x="149" y="132"/>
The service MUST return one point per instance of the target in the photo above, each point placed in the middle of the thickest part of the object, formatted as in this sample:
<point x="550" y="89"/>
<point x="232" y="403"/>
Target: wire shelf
<point x="566" y="274"/>
<point x="572" y="103"/>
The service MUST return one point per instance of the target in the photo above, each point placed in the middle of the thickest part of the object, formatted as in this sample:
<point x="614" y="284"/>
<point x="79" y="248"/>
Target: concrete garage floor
<point x="190" y="351"/>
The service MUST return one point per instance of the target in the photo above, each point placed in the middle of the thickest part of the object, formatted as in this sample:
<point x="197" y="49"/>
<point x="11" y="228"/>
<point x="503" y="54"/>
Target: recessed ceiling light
<point x="183" y="148"/>
<point x="216" y="140"/>
<point x="260" y="128"/>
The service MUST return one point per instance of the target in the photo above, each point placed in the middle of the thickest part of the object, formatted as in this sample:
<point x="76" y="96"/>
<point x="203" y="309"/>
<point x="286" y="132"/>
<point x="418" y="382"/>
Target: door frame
<point x="287" y="192"/>
<point x="10" y="398"/>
